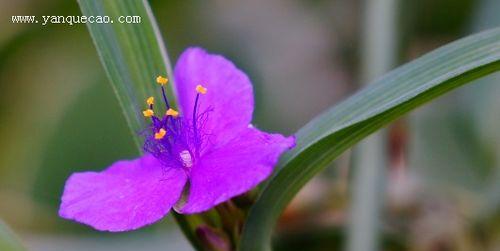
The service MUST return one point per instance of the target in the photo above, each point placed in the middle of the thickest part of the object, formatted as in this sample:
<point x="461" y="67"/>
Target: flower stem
<point x="184" y="223"/>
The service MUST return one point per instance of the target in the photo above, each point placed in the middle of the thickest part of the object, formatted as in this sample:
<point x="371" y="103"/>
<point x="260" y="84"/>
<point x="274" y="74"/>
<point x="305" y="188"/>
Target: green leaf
<point x="8" y="242"/>
<point x="133" y="55"/>
<point x="340" y="127"/>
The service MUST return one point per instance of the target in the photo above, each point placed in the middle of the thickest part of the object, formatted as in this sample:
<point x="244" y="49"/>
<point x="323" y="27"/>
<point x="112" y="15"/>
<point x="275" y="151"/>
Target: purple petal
<point x="125" y="196"/>
<point x="229" y="95"/>
<point x="234" y="168"/>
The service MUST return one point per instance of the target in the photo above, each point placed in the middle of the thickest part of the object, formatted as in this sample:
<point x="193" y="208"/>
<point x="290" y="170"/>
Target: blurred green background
<point x="58" y="115"/>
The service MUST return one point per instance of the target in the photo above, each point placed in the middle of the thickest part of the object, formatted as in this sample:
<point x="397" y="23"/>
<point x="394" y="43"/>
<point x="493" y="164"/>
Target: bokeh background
<point x="59" y="115"/>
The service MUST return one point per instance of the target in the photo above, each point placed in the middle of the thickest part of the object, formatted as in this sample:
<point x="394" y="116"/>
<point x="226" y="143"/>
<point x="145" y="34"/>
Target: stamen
<point x="164" y="97"/>
<point x="172" y="112"/>
<point x="150" y="101"/>
<point x="160" y="134"/>
<point x="148" y="113"/>
<point x="161" y="80"/>
<point x="200" y="89"/>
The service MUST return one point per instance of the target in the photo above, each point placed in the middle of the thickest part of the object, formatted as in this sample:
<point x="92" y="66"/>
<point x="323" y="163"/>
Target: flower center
<point x="174" y="139"/>
<point x="186" y="158"/>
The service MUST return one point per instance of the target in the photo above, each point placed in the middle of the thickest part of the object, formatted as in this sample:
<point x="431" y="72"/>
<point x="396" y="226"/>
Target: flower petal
<point x="229" y="95"/>
<point x="125" y="196"/>
<point x="234" y="169"/>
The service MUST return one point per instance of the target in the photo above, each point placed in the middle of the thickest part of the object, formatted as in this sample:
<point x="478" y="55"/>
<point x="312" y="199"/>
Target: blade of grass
<point x="340" y="127"/>
<point x="133" y="55"/>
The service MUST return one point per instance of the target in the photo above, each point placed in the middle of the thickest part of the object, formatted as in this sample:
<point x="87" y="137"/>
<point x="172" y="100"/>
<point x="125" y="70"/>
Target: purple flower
<point x="206" y="154"/>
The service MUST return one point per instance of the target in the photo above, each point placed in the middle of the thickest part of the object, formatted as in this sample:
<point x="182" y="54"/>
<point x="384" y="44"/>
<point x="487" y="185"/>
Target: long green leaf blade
<point x="132" y="54"/>
<point x="337" y="129"/>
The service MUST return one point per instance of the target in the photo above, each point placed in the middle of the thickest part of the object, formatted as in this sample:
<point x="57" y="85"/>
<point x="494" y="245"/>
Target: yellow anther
<point x="160" y="134"/>
<point x="150" y="101"/>
<point x="148" y="113"/>
<point x="161" y="80"/>
<point x="200" y="89"/>
<point x="172" y="112"/>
